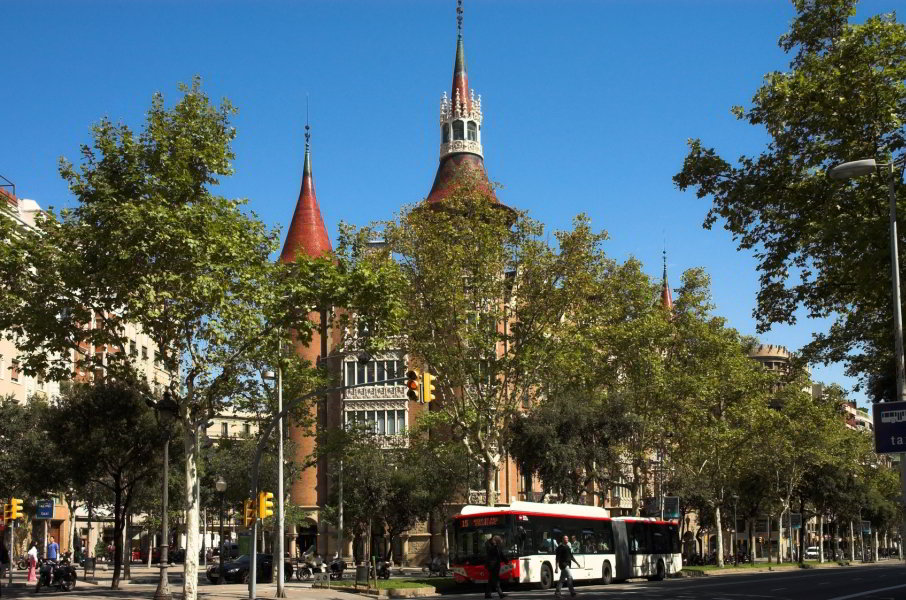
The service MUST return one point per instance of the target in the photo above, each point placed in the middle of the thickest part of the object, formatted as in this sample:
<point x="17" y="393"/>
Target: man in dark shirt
<point x="564" y="558"/>
<point x="494" y="557"/>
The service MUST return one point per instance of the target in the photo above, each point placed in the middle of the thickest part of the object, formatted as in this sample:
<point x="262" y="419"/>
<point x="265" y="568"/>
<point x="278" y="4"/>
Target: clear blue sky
<point x="587" y="105"/>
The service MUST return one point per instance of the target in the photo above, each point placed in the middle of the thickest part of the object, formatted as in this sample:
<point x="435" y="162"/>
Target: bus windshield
<point x="470" y="534"/>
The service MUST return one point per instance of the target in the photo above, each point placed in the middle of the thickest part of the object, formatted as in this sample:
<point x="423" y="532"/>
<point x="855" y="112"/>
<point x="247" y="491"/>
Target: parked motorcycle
<point x="383" y="569"/>
<point x="336" y="568"/>
<point x="61" y="575"/>
<point x="437" y="566"/>
<point x="309" y="566"/>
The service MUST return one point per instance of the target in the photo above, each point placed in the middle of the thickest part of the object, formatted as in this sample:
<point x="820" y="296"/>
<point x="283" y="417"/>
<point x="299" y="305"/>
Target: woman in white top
<point x="32" y="562"/>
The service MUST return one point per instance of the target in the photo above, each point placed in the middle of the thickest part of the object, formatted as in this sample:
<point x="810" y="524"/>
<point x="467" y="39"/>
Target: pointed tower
<point x="461" y="152"/>
<point x="307" y="235"/>
<point x="666" y="296"/>
<point x="306" y="231"/>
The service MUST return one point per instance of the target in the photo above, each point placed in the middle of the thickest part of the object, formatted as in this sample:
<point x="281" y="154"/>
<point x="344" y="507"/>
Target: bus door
<point x="621" y="549"/>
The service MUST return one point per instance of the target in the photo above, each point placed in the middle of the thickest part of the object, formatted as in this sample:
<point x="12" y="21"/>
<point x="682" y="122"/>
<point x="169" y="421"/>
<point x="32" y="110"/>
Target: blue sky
<point x="587" y="105"/>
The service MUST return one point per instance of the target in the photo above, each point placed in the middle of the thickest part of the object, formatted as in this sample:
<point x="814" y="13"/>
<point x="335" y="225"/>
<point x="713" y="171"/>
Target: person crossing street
<point x="494" y="557"/>
<point x="564" y="559"/>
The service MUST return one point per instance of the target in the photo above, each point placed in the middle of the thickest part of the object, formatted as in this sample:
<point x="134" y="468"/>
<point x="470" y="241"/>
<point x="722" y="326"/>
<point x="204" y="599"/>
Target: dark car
<point x="237" y="571"/>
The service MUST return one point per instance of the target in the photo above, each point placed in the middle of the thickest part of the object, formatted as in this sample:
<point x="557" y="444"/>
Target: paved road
<point x="886" y="581"/>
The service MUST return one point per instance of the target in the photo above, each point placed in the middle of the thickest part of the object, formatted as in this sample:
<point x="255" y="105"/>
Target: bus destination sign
<point x="481" y="522"/>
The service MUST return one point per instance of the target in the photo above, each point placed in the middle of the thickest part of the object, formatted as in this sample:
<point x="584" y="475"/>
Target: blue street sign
<point x="890" y="427"/>
<point x="866" y="527"/>
<point x="45" y="509"/>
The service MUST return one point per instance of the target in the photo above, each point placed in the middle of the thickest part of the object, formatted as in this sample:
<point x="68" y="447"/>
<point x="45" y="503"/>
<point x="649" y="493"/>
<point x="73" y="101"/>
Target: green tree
<point x="485" y="295"/>
<point x="107" y="436"/>
<point x="571" y="442"/>
<point x="150" y="243"/>
<point x="820" y="245"/>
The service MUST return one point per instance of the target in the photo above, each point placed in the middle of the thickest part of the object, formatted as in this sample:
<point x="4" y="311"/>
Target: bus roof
<point x="538" y="508"/>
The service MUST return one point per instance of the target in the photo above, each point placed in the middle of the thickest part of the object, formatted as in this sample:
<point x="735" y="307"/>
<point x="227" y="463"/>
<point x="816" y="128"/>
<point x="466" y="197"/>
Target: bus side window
<point x="673" y="532"/>
<point x="660" y="543"/>
<point x="638" y="537"/>
<point x="589" y="542"/>
<point x="605" y="537"/>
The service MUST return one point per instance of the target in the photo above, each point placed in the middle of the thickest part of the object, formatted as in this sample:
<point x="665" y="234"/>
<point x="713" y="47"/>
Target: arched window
<point x="445" y="133"/>
<point x="473" y="131"/>
<point x="458" y="130"/>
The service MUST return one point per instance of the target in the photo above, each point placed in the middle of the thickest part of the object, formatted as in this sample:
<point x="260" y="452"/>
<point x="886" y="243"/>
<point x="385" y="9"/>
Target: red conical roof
<point x="460" y="76"/>
<point x="306" y="231"/>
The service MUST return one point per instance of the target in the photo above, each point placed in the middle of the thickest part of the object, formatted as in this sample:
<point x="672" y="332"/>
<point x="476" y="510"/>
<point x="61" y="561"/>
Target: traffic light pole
<point x="253" y="561"/>
<point x="12" y="542"/>
<point x="265" y="434"/>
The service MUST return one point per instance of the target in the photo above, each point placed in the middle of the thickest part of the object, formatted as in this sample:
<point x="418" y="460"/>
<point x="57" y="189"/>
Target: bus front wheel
<point x="547" y="577"/>
<point x="607" y="576"/>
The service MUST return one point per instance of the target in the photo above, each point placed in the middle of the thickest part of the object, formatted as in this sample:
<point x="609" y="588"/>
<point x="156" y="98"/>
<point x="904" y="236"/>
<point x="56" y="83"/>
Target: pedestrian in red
<point x="32" y="562"/>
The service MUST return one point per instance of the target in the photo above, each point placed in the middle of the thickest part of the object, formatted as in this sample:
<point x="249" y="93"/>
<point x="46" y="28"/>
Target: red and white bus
<point x="606" y="548"/>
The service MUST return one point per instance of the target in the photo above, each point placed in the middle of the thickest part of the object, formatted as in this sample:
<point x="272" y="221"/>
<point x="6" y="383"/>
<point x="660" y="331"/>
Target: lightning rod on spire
<point x="307" y="126"/>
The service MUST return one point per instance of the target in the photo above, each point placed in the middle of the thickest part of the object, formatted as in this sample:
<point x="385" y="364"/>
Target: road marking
<point x="866" y="593"/>
<point x="778" y="589"/>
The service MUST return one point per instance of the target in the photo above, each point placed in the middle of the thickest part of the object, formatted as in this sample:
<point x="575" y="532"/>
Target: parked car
<point x="237" y="571"/>
<point x="811" y="553"/>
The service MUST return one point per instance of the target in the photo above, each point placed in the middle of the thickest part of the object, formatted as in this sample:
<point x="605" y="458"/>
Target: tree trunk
<point x="750" y="527"/>
<point x="127" y="549"/>
<point x="190" y="578"/>
<point x="117" y="535"/>
<point x="720" y="536"/>
<point x="821" y="537"/>
<point x="836" y="539"/>
<point x="73" y="505"/>
<point x="780" y="538"/>
<point x="852" y="543"/>
<point x="490" y="476"/>
<point x="151" y="537"/>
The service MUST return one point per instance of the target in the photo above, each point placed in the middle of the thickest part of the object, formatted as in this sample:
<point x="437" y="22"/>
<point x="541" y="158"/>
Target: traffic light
<point x="429" y="392"/>
<point x="15" y="509"/>
<point x="249" y="513"/>
<point x="3" y="513"/>
<point x="412" y="384"/>
<point x="265" y="504"/>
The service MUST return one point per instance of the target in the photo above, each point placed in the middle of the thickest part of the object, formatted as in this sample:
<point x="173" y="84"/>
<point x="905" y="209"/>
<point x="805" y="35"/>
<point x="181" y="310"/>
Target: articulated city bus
<point x="606" y="548"/>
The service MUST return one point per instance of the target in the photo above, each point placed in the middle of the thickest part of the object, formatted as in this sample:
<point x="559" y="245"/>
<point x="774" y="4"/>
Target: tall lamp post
<point x="859" y="168"/>
<point x="166" y="411"/>
<point x="220" y="486"/>
<point x="281" y="538"/>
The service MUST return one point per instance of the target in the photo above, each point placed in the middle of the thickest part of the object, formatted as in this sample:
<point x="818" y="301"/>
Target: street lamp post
<point x="220" y="485"/>
<point x="281" y="525"/>
<point x="860" y="168"/>
<point x="166" y="411"/>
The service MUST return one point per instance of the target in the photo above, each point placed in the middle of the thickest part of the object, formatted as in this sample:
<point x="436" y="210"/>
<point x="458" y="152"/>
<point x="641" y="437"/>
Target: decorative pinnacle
<point x="665" y="264"/>
<point x="459" y="18"/>
<point x="307" y="126"/>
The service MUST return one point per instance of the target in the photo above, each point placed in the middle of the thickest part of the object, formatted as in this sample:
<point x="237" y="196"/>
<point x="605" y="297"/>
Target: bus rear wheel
<point x="547" y="577"/>
<point x="607" y="575"/>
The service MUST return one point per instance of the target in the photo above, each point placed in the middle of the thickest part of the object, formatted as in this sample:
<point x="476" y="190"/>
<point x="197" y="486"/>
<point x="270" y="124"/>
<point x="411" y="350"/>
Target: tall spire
<point x="460" y="128"/>
<point x="306" y="230"/>
<point x="666" y="296"/>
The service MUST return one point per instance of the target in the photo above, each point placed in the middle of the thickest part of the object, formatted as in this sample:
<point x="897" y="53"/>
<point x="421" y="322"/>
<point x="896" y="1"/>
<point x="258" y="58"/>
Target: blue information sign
<point x="890" y="427"/>
<point x="45" y="509"/>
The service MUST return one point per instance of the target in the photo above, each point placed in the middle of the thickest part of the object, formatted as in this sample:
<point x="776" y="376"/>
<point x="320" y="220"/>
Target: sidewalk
<point x="143" y="584"/>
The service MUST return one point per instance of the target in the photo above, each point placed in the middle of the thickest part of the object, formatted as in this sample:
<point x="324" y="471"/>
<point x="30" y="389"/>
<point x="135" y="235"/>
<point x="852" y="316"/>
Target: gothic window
<point x="458" y="130"/>
<point x="473" y="131"/>
<point x="445" y="132"/>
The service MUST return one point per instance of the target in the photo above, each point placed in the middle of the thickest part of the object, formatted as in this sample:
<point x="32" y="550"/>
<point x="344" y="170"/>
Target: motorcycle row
<point x="312" y="564"/>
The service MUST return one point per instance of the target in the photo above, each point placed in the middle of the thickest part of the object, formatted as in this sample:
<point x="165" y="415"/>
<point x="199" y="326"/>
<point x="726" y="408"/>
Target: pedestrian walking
<point x="494" y="557"/>
<point x="32" y="562"/>
<point x="53" y="550"/>
<point x="565" y="559"/>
